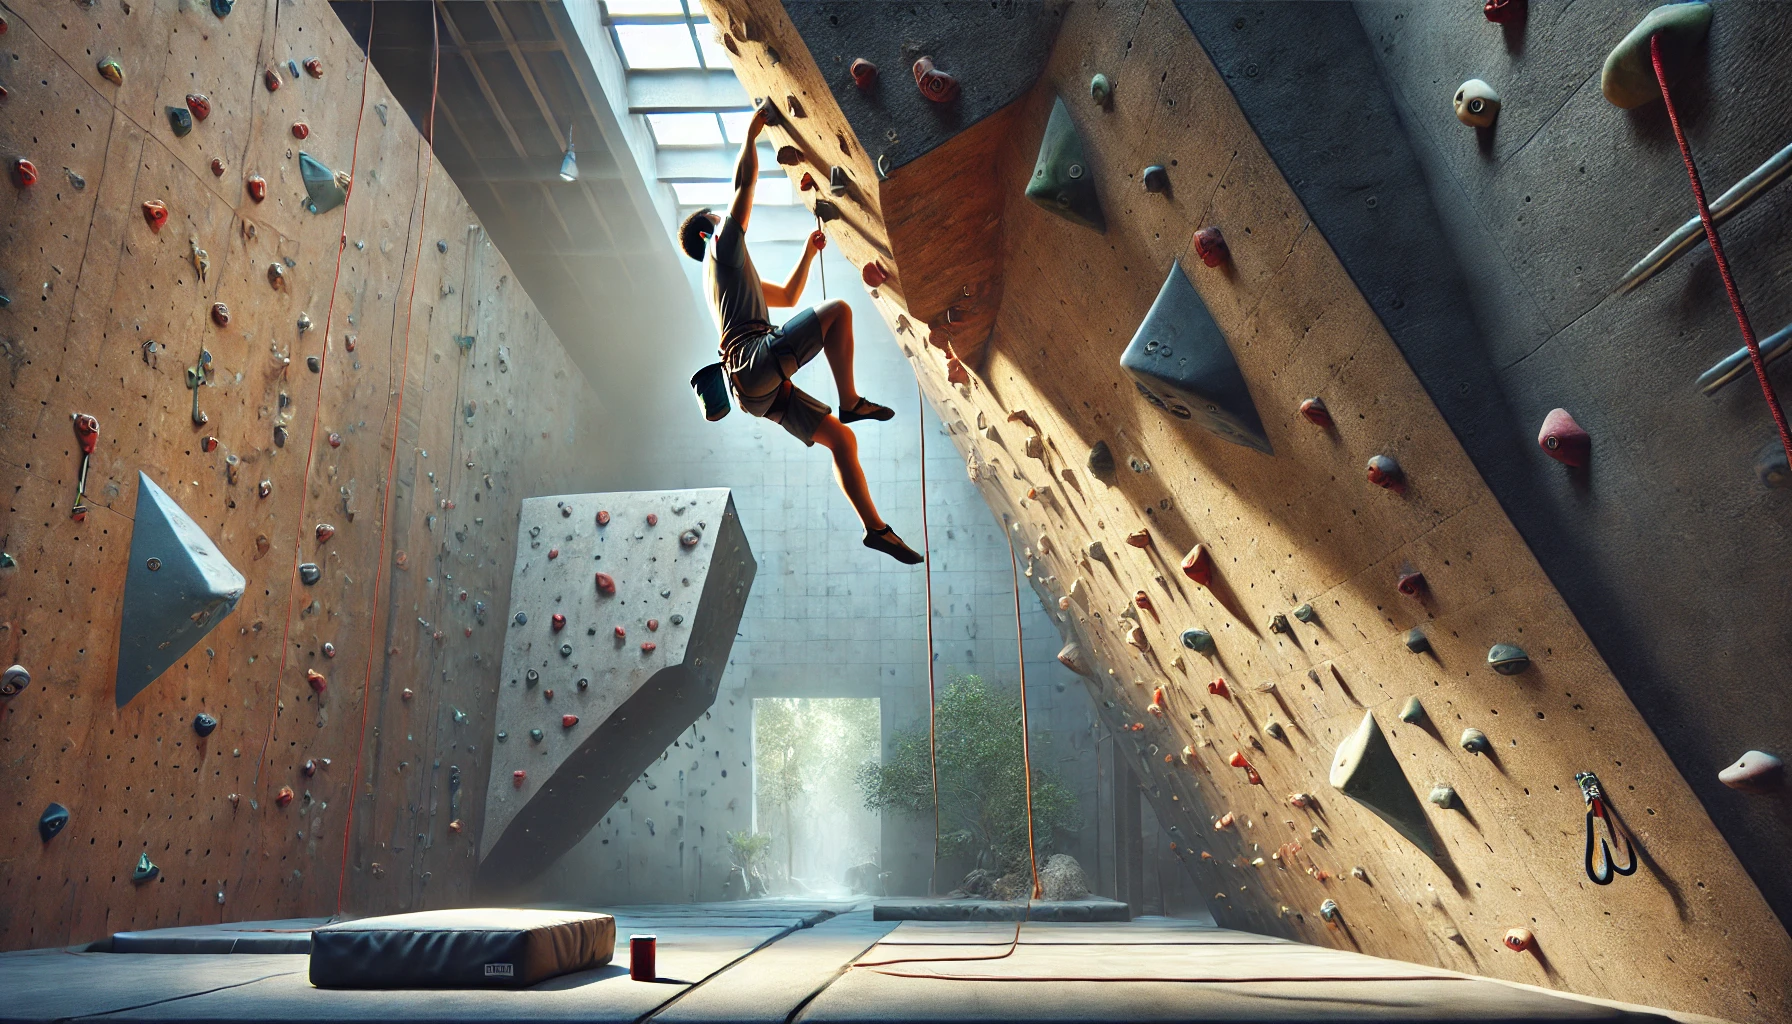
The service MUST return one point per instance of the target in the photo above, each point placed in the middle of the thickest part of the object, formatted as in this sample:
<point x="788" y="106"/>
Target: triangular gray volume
<point x="178" y="586"/>
<point x="1366" y="770"/>
<point x="1063" y="182"/>
<point x="1181" y="363"/>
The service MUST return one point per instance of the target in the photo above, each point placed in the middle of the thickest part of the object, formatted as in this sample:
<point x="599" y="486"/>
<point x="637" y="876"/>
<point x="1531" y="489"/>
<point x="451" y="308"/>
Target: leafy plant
<point x="748" y="849"/>
<point x="982" y="791"/>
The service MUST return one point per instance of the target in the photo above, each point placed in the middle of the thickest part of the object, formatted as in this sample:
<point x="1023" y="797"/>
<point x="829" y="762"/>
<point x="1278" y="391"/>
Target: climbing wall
<point x="374" y="397"/>
<point x="623" y="610"/>
<point x="1315" y="577"/>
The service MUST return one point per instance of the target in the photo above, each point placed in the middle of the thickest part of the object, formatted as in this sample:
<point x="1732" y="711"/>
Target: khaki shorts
<point x="763" y="368"/>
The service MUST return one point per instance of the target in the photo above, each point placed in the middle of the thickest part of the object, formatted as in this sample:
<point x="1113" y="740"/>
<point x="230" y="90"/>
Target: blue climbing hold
<point x="222" y="8"/>
<point x="168" y="609"/>
<point x="1508" y="659"/>
<point x="203" y="724"/>
<point x="1197" y="640"/>
<point x="53" y="820"/>
<point x="1180" y="362"/>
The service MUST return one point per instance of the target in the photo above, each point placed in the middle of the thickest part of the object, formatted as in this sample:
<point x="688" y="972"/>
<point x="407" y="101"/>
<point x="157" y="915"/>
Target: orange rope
<point x="425" y="146"/>
<point x="933" y="758"/>
<point x="1026" y="745"/>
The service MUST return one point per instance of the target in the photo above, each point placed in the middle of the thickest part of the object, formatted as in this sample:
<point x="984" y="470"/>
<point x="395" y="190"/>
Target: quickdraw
<point x="87" y="432"/>
<point x="1594" y="795"/>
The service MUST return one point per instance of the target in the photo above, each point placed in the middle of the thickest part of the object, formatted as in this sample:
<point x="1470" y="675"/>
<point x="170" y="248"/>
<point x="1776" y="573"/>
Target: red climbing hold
<point x="314" y="67"/>
<point x="1237" y="760"/>
<point x="156" y="213"/>
<point x="217" y="167"/>
<point x="559" y="622"/>
<point x="517" y="777"/>
<point x="1139" y="539"/>
<point x="653" y="625"/>
<point x="621" y="634"/>
<point x="1412" y="584"/>
<point x="336" y="442"/>
<point x="568" y="721"/>
<point x="1517" y="939"/>
<point x="1502" y="11"/>
<point x="653" y="519"/>
<point x="283" y="797"/>
<point x="863" y="72"/>
<point x="258" y="187"/>
<point x="221" y="316"/>
<point x="325" y="531"/>
<point x="605" y="585"/>
<point x="24" y="173"/>
<point x="553" y="553"/>
<point x="329" y="650"/>
<point x="1197" y="565"/>
<point x="547" y="694"/>
<point x="199" y="105"/>
<point x="1315" y="411"/>
<point x="309" y="768"/>
<point x="316" y="679"/>
<point x="603" y="518"/>
<point x="935" y="84"/>
<point x="649" y="648"/>
<point x="301" y="130"/>
<point x="271" y="78"/>
<point x="1385" y="472"/>
<point x="1563" y="440"/>
<point x="1218" y="688"/>
<point x="1210" y="245"/>
<point x="690" y="538"/>
<point x="87" y="432"/>
<point x="1143" y="600"/>
<point x="873" y="275"/>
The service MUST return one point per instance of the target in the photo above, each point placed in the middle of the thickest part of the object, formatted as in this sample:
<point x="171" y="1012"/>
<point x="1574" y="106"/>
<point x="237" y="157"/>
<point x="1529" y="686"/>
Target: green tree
<point x="804" y="752"/>
<point x="982" y="792"/>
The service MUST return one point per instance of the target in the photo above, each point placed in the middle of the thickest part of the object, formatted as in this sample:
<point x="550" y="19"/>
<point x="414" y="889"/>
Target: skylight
<point x="657" y="46"/>
<point x="685" y="129"/>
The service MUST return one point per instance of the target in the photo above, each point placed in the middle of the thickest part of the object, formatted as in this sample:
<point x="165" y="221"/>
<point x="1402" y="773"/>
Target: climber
<point x="759" y="358"/>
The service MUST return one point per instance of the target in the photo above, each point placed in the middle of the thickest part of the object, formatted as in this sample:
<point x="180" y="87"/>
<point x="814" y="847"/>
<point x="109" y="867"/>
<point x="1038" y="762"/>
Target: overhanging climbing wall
<point x="1314" y="576"/>
<point x="234" y="770"/>
<point x="623" y="609"/>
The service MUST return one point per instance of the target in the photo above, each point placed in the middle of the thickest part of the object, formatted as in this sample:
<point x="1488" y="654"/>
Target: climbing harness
<point x="1717" y="254"/>
<point x="1602" y="870"/>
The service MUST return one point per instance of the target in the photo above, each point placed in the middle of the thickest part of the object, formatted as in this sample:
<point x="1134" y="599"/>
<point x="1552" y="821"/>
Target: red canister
<point x="643" y="951"/>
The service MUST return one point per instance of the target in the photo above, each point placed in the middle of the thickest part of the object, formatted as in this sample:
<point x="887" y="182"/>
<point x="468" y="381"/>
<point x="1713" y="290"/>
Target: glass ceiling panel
<point x="628" y="8"/>
<point x="717" y="194"/>
<point x="685" y="129"/>
<point x="715" y="55"/>
<point x="734" y="122"/>
<point x="656" y="46"/>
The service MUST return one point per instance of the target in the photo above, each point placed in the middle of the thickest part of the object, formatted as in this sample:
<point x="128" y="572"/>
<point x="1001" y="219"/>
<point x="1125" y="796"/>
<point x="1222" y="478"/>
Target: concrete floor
<point x="774" y="961"/>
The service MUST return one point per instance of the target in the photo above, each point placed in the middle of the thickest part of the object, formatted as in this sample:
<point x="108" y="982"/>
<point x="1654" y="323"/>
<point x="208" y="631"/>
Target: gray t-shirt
<point x="735" y="297"/>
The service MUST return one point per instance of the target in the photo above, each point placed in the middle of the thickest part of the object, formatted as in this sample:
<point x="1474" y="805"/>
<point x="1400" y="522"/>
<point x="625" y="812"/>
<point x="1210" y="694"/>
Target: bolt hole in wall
<point x="812" y="833"/>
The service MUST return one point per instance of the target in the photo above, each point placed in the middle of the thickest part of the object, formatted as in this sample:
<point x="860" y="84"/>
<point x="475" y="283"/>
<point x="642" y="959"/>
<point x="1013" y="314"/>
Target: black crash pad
<point x="472" y="948"/>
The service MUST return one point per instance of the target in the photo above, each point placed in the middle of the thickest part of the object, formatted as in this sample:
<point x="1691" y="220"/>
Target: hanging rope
<point x="1026" y="743"/>
<point x="1717" y="252"/>
<point x="933" y="750"/>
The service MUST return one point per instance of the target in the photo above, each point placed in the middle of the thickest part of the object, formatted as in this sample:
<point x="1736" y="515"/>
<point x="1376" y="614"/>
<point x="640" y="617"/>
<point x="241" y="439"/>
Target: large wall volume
<point x="1048" y="306"/>
<point x="437" y="400"/>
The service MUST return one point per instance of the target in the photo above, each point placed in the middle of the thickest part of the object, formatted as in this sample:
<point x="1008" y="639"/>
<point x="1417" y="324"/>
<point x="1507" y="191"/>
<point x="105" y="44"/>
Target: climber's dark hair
<point x="692" y="233"/>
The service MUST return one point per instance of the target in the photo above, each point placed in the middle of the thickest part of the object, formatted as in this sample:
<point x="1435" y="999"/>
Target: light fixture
<point x="569" y="166"/>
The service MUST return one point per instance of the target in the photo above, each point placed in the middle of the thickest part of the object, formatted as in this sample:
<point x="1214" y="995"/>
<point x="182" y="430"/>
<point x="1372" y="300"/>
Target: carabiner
<point x="1594" y="796"/>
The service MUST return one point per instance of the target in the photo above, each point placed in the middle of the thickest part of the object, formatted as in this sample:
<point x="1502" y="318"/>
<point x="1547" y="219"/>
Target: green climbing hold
<point x="1304" y="613"/>
<point x="1475" y="741"/>
<point x="1063" y="182"/>
<point x="1197" y="640"/>
<point x="146" y="869"/>
<point x="1412" y="712"/>
<point x="1366" y="770"/>
<point x="180" y="119"/>
<point x="325" y="189"/>
<point x="1628" y="79"/>
<point x="1508" y="659"/>
<point x="1101" y="90"/>
<point x="1416" y="641"/>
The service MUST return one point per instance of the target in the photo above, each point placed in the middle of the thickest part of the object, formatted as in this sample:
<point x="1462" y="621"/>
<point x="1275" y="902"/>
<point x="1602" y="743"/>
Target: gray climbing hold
<point x="502" y="736"/>
<point x="309" y="573"/>
<point x="1101" y="90"/>
<point x="531" y="677"/>
<point x="677" y="619"/>
<point x="1274" y="730"/>
<point x="441" y="245"/>
<point x="1508" y="659"/>
<point x="566" y="650"/>
<point x="324" y="189"/>
<point x="168" y="611"/>
<point x="522" y="618"/>
<point x="14" y="680"/>
<point x="1443" y="796"/>
<point x="203" y="724"/>
<point x="1475" y="741"/>
<point x="1754" y="772"/>
<point x="1156" y="179"/>
<point x="1101" y="462"/>
<point x="1416" y="641"/>
<point x="1628" y="78"/>
<point x="1366" y="769"/>
<point x="1197" y="640"/>
<point x="1304" y="613"/>
<point x="1071" y="657"/>
<point x="535" y="735"/>
<point x="1412" y="712"/>
<point x="145" y="871"/>
<point x="1063" y="182"/>
<point x="1180" y="362"/>
<point x="53" y="820"/>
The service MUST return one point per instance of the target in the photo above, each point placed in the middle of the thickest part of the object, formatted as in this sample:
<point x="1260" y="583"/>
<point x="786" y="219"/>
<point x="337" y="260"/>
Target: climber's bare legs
<point x="838" y="438"/>
<point x="837" y="345"/>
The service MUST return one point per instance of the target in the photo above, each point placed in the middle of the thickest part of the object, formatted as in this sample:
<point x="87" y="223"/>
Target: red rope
<point x="426" y="157"/>
<point x="933" y="759"/>
<point x="1026" y="746"/>
<point x="1717" y="252"/>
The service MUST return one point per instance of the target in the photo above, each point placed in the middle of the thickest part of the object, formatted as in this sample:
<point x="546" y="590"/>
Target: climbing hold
<point x="1301" y="800"/>
<point x="1328" y="910"/>
<point x="605" y="584"/>
<point x="1101" y="462"/>
<point x="1628" y="78"/>
<point x="1771" y="467"/>
<point x="301" y="130"/>
<point x="1218" y="688"/>
<point x="325" y="531"/>
<point x="1416" y="641"/>
<point x="1197" y="640"/>
<point x="1412" y="712"/>
<point x="1062" y="182"/>
<point x="535" y="735"/>
<point x="1755" y="772"/>
<point x="329" y="650"/>
<point x="24" y="173"/>
<point x="1412" y="584"/>
<point x="1273" y="730"/>
<point x="568" y="721"/>
<point x="1366" y="769"/>
<point x="1304" y="613"/>
<point x="1516" y="939"/>
<point x="1101" y="90"/>
<point x="314" y="67"/>
<point x="789" y="156"/>
<point x="1474" y="741"/>
<point x="166" y="612"/>
<point x="649" y="647"/>
<point x="531" y="677"/>
<point x="603" y="518"/>
<point x="1071" y="657"/>
<point x="1156" y="179"/>
<point x="653" y="625"/>
<point x="517" y="777"/>
<point x="1143" y="600"/>
<point x="277" y="276"/>
<point x="522" y="618"/>
<point x="559" y="622"/>
<point x="111" y="70"/>
<point x="335" y="440"/>
<point x="1502" y="11"/>
<point x="1180" y="362"/>
<point x="1097" y="551"/>
<point x="1238" y="760"/>
<point x="1224" y="822"/>
<point x="863" y="72"/>
<point x="271" y="78"/>
<point x="956" y="372"/>
<point x="145" y="871"/>
<point x="1315" y="411"/>
<point x="257" y="186"/>
<point x="935" y="85"/>
<point x="217" y="167"/>
<point x="14" y="680"/>
<point x="1278" y="623"/>
<point x="180" y="121"/>
<point x="621" y="634"/>
<point x="309" y="768"/>
<point x="200" y="105"/>
<point x="284" y="796"/>
<point x="1476" y="103"/>
<point x="53" y="820"/>
<point x="1137" y="638"/>
<point x="1385" y="472"/>
<point x="1443" y="796"/>
<point x="1139" y="538"/>
<point x="873" y="275"/>
<point x="689" y="538"/>
<point x="653" y="519"/>
<point x="203" y="724"/>
<point x="155" y="212"/>
<point x="1211" y="246"/>
<point x="1563" y="440"/>
<point x="1197" y="565"/>
<point x="837" y="182"/>
<point x="316" y="680"/>
<point x="325" y="189"/>
<point x="1508" y="659"/>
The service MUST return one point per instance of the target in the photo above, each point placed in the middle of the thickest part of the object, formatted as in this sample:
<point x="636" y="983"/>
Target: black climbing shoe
<point x="866" y="409"/>
<point x="886" y="541"/>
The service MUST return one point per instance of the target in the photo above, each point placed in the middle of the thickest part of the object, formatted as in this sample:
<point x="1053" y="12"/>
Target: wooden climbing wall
<point x="1689" y="930"/>
<point x="464" y="380"/>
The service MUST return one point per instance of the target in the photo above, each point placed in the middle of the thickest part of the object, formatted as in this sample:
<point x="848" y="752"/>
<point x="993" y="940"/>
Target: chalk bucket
<point x="711" y="386"/>
<point x="643" y="951"/>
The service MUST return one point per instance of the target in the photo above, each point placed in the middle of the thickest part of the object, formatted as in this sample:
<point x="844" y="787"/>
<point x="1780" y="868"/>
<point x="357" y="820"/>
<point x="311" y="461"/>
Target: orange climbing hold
<point x="257" y="186"/>
<point x="863" y="72"/>
<point x="1224" y="822"/>
<point x="603" y="517"/>
<point x="1140" y="539"/>
<point x="24" y="173"/>
<point x="283" y="797"/>
<point x="156" y="213"/>
<point x="1238" y="760"/>
<point x="301" y="130"/>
